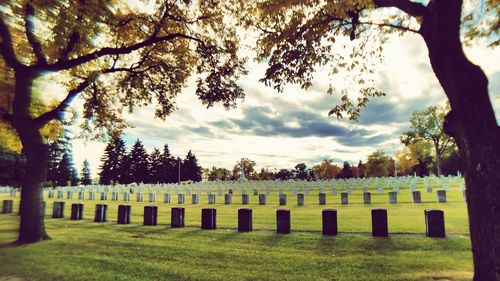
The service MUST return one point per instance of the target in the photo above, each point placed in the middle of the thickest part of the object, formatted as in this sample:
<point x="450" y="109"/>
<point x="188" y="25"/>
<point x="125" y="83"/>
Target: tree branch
<point x="29" y="14"/>
<point x="411" y="8"/>
<point x="57" y="112"/>
<point x="391" y="26"/>
<point x="6" y="47"/>
<point x="63" y="65"/>
<point x="75" y="35"/>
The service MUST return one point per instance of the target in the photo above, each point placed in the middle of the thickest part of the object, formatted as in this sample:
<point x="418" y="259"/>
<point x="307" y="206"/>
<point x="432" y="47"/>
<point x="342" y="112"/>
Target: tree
<point x="248" y="169"/>
<point x="326" y="170"/>
<point x="113" y="161"/>
<point x="377" y="164"/>
<point x="156" y="168"/>
<point x="55" y="154"/>
<point x="190" y="170"/>
<point x="297" y="36"/>
<point x="140" y="57"/>
<point x="405" y="163"/>
<point x="284" y="174"/>
<point x="12" y="167"/>
<point x="169" y="166"/>
<point x="427" y="125"/>
<point x="346" y="172"/>
<point x="139" y="163"/>
<point x="64" y="171"/>
<point x="301" y="172"/>
<point x="361" y="169"/>
<point x="219" y="174"/>
<point x="86" y="175"/>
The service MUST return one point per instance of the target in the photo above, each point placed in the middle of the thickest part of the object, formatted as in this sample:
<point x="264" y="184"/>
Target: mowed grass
<point x="84" y="250"/>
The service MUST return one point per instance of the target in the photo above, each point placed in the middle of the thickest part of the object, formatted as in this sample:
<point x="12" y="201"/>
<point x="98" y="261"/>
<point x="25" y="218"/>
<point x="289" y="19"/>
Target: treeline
<point x="137" y="166"/>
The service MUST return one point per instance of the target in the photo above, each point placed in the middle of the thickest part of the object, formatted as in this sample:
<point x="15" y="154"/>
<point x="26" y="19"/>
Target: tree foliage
<point x="86" y="177"/>
<point x="377" y="164"/>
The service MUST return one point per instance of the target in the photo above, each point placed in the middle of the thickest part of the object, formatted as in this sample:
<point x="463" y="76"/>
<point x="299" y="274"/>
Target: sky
<point x="280" y="130"/>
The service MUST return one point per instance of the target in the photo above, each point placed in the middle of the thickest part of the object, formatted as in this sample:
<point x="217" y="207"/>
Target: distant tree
<point x="113" y="162"/>
<point x="139" y="163"/>
<point x="12" y="167"/>
<point x="156" y="167"/>
<point x="266" y="174"/>
<point x="361" y="169"/>
<point x="64" y="171"/>
<point x="428" y="125"/>
<point x="405" y="162"/>
<point x="190" y="170"/>
<point x="55" y="154"/>
<point x="451" y="161"/>
<point x="85" y="174"/>
<point x="391" y="167"/>
<point x="169" y="166"/>
<point x="220" y="174"/>
<point x="284" y="174"/>
<point x="248" y="169"/>
<point x="346" y="172"/>
<point x="300" y="172"/>
<point x="326" y="170"/>
<point x="377" y="164"/>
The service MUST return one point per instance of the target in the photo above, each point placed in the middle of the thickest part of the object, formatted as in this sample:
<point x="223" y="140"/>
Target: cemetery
<point x="393" y="212"/>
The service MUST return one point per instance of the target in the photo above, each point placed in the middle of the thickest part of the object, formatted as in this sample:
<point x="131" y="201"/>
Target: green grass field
<point x="84" y="250"/>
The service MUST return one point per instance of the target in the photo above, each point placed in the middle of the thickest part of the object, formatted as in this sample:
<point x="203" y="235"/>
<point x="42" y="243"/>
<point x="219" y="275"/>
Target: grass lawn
<point x="84" y="250"/>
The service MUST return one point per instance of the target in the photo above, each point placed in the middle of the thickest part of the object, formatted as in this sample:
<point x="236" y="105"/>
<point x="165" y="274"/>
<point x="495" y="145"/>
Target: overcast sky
<point x="279" y="130"/>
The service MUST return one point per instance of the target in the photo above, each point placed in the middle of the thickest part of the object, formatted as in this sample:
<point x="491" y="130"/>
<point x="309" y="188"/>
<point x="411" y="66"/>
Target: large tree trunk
<point x="473" y="125"/>
<point x="32" y="227"/>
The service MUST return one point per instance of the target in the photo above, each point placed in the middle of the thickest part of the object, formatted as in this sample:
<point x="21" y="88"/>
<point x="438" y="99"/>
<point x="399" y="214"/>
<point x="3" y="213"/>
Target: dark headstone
<point x="379" y="223"/>
<point x="367" y="198"/>
<point x="344" y="198"/>
<point x="255" y="193"/>
<point x="58" y="210"/>
<point x="244" y="219"/>
<point x="177" y="217"/>
<point x="262" y="199"/>
<point x="322" y="198"/>
<point x="283" y="221"/>
<point x="231" y="191"/>
<point x="300" y="199"/>
<point x="329" y="221"/>
<point x="124" y="214"/>
<point x="416" y="197"/>
<point x="208" y="218"/>
<point x="7" y="206"/>
<point x="101" y="213"/>
<point x="76" y="211"/>
<point x="228" y="199"/>
<point x="441" y="196"/>
<point x="244" y="199"/>
<point x="166" y="198"/>
<point x="211" y="199"/>
<point x="282" y="198"/>
<point x="194" y="199"/>
<point x="150" y="215"/>
<point x="434" y="223"/>
<point x="180" y="198"/>
<point x="393" y="197"/>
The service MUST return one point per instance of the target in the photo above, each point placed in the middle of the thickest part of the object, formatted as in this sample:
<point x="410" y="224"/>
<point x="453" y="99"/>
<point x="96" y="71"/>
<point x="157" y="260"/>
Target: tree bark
<point x="32" y="226"/>
<point x="472" y="123"/>
<point x="438" y="160"/>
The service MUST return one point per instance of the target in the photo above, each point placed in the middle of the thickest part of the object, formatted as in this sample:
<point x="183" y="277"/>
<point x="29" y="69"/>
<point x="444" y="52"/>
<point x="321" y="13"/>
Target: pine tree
<point x="64" y="171"/>
<point x="112" y="167"/>
<point x="139" y="163"/>
<point x="169" y="166"/>
<point x="55" y="153"/>
<point x="86" y="177"/>
<point x="190" y="170"/>
<point x="156" y="170"/>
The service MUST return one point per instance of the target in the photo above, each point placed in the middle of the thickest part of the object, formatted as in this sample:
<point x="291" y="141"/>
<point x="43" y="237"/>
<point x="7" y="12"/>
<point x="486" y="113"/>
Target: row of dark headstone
<point x="434" y="219"/>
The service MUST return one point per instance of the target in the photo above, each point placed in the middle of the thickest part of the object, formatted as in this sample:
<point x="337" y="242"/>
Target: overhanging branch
<point x="411" y="8"/>
<point x="6" y="48"/>
<point x="63" y="65"/>
<point x="57" y="112"/>
<point x="29" y="14"/>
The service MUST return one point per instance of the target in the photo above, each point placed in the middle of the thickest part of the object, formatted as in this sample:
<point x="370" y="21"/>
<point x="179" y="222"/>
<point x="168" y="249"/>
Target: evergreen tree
<point x="361" y="169"/>
<point x="55" y="153"/>
<point x="112" y="167"/>
<point x="156" y="170"/>
<point x="169" y="166"/>
<point x="346" y="172"/>
<point x="86" y="177"/>
<point x="64" y="171"/>
<point x="139" y="163"/>
<point x="190" y="170"/>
